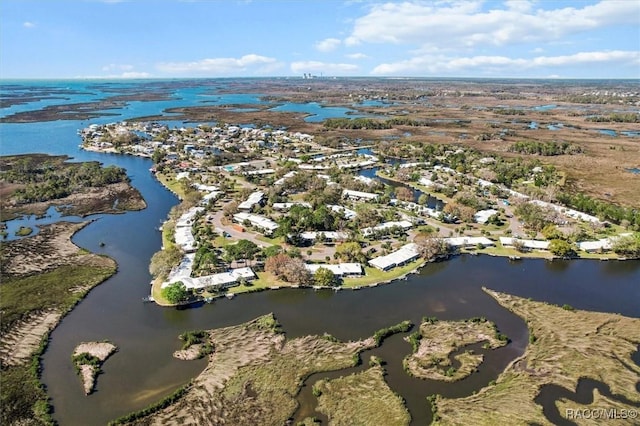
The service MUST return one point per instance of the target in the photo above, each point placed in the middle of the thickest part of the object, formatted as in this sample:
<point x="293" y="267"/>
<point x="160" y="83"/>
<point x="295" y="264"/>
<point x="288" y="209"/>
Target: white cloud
<point x="117" y="67"/>
<point x="128" y="74"/>
<point x="503" y="65"/>
<point x="328" y="44"/>
<point x="216" y="66"/>
<point x="458" y="24"/>
<point x="322" y="67"/>
<point x="28" y="24"/>
<point x="356" y="56"/>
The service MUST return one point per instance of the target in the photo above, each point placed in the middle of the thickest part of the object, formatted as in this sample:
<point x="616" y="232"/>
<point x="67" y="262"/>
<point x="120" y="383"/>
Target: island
<point x="436" y="341"/>
<point x="88" y="357"/>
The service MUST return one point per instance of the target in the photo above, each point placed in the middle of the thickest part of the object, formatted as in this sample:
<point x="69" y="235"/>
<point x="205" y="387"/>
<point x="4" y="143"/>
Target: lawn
<point x="374" y="276"/>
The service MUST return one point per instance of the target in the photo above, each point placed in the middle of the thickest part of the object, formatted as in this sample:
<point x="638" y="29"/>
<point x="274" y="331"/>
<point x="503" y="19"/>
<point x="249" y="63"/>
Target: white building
<point x="469" y="241"/>
<point x="253" y="199"/>
<point x="483" y="215"/>
<point x="359" y="195"/>
<point x="329" y="235"/>
<point x="404" y="224"/>
<point x="340" y="269"/>
<point x="265" y="224"/>
<point x="529" y="244"/>
<point x="405" y="254"/>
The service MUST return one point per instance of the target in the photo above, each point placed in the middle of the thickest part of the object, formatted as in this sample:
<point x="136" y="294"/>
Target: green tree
<point x="349" y="251"/>
<point x="561" y="248"/>
<point x="175" y="292"/>
<point x="325" y="278"/>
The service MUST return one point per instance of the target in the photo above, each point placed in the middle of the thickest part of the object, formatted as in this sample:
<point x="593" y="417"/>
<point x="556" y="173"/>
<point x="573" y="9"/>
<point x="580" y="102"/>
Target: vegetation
<point x="602" y="209"/>
<point x="561" y="248"/>
<point x="545" y="148"/>
<point x="323" y="277"/>
<point x="165" y="402"/>
<point x="436" y="341"/>
<point x="51" y="178"/>
<point x="383" y="333"/>
<point x="163" y="261"/>
<point x="628" y="246"/>
<point x="22" y="395"/>
<point x="287" y="268"/>
<point x="376" y="404"/>
<point x="615" y="118"/>
<point x="24" y="231"/>
<point x="176" y="292"/>
<point x="589" y="344"/>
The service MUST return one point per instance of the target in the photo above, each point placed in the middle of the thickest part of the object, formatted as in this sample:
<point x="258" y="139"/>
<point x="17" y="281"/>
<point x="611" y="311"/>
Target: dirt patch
<point x="18" y="345"/>
<point x="88" y="357"/>
<point x="49" y="249"/>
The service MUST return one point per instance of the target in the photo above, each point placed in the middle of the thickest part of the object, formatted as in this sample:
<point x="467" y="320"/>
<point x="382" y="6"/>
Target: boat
<point x="148" y="299"/>
<point x="230" y="295"/>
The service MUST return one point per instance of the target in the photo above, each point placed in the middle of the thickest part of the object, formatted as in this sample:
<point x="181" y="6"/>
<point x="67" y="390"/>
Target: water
<point x="608" y="132"/>
<point x="52" y="215"/>
<point x="316" y="112"/>
<point x="143" y="370"/>
<point x="545" y="107"/>
<point x="634" y="170"/>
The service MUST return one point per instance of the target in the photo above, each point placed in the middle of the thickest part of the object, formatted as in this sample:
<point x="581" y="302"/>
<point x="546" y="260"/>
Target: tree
<point x="323" y="277"/>
<point x="432" y="248"/>
<point x="271" y="251"/>
<point x="628" y="245"/>
<point x="350" y="251"/>
<point x="286" y="268"/>
<point x="164" y="260"/>
<point x="404" y="194"/>
<point x="175" y="292"/>
<point x="423" y="199"/>
<point x="561" y="248"/>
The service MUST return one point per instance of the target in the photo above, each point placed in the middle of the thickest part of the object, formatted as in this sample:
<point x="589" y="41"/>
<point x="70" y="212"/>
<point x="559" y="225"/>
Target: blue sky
<point x="228" y="38"/>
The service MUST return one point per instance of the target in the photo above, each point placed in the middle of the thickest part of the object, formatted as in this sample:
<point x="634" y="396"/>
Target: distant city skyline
<point x="260" y="38"/>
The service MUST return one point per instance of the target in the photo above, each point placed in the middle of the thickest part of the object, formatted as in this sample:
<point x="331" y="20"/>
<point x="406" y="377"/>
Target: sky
<point x="263" y="38"/>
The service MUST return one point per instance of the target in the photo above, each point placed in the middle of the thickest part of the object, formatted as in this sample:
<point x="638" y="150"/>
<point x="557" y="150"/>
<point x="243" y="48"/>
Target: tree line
<point x="545" y="148"/>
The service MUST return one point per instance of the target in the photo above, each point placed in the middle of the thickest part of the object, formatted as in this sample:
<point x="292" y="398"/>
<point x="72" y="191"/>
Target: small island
<point x="88" y="357"/>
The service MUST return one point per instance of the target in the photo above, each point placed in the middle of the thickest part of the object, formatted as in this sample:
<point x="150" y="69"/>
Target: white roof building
<point x="405" y="254"/>
<point x="602" y="244"/>
<point x="359" y="195"/>
<point x="348" y="213"/>
<point x="264" y="223"/>
<point x="530" y="244"/>
<point x="340" y="269"/>
<point x="287" y="206"/>
<point x="253" y="199"/>
<point x="483" y="215"/>
<point x="329" y="235"/>
<point x="404" y="224"/>
<point x="468" y="241"/>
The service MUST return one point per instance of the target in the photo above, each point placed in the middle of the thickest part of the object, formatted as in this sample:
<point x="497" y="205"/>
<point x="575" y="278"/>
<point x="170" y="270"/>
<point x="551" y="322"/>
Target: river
<point x="143" y="370"/>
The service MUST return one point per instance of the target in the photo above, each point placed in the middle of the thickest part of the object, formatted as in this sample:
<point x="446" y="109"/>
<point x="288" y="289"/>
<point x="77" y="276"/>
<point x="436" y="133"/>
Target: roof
<point x="483" y="215"/>
<point x="530" y="244"/>
<point x="359" y="194"/>
<point x="404" y="254"/>
<point x="468" y="241"/>
<point x="404" y="224"/>
<point x="253" y="199"/>
<point x="256" y="220"/>
<point x="330" y="235"/>
<point x="337" y="269"/>
<point x="287" y="206"/>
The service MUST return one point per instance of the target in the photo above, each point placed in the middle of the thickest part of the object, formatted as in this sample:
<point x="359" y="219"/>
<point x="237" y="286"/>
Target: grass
<point x="439" y="339"/>
<point x="569" y="345"/>
<point x="272" y="241"/>
<point x="375" y="276"/>
<point x="50" y="290"/>
<point x="254" y="375"/>
<point x="362" y="398"/>
<point x="170" y="182"/>
<point x="23" y="397"/>
<point x="24" y="231"/>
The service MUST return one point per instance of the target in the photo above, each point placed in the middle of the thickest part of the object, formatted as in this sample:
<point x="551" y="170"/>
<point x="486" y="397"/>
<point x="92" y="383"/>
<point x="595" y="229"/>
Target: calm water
<point x="143" y="370"/>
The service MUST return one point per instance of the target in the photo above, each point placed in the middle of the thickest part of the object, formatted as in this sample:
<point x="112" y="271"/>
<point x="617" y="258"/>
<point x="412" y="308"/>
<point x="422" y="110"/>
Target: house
<point x="405" y="254"/>
<point x="254" y="198"/>
<point x="404" y="224"/>
<point x="359" y="195"/>
<point x="528" y="244"/>
<point x="340" y="269"/>
<point x="328" y="235"/>
<point x="263" y="223"/>
<point x="483" y="215"/>
<point x="469" y="241"/>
